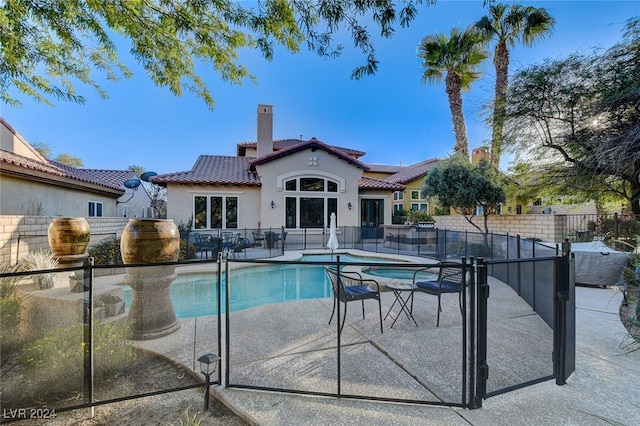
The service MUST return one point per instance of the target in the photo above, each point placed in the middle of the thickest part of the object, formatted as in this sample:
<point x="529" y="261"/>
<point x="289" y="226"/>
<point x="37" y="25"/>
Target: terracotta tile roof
<point x="371" y="183"/>
<point x="116" y="178"/>
<point x="214" y="170"/>
<point x="311" y="143"/>
<point x="415" y="171"/>
<point x="280" y="144"/>
<point x="112" y="179"/>
<point x="384" y="168"/>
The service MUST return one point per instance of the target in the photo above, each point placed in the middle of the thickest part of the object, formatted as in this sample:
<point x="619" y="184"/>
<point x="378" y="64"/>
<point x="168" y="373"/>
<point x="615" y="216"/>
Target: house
<point x="290" y="183"/>
<point x="35" y="186"/>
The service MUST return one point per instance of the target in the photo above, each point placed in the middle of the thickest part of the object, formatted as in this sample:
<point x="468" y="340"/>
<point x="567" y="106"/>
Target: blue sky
<point x="392" y="116"/>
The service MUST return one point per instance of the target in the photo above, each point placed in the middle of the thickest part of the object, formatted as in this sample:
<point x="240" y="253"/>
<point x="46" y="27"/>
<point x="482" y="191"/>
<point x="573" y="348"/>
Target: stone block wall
<point x="542" y="226"/>
<point x="22" y="234"/>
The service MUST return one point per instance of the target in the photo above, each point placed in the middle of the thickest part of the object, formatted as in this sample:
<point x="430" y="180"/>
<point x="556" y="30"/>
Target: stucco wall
<point x="274" y="173"/>
<point x="16" y="196"/>
<point x="21" y="234"/>
<point x="180" y="201"/>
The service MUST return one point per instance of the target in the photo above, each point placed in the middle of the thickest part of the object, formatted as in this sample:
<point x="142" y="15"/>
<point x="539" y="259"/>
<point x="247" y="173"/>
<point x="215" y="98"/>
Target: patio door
<point x="372" y="218"/>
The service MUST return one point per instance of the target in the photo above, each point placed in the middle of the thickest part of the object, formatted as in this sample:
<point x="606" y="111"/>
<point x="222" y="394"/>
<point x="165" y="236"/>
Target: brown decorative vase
<point x="68" y="239"/>
<point x="69" y="236"/>
<point x="151" y="241"/>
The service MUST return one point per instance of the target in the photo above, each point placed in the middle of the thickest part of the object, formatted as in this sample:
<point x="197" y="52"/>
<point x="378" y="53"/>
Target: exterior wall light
<point x="349" y="205"/>
<point x="273" y="205"/>
<point x="208" y="366"/>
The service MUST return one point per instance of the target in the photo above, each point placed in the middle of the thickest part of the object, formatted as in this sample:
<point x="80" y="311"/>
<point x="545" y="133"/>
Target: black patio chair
<point x="349" y="287"/>
<point x="200" y="245"/>
<point x="450" y="280"/>
<point x="258" y="238"/>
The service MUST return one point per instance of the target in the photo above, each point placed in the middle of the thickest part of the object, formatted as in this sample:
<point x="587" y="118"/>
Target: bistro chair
<point x="349" y="287"/>
<point x="258" y="238"/>
<point x="450" y="280"/>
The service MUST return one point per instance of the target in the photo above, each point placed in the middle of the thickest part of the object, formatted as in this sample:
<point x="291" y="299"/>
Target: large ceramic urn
<point x="150" y="241"/>
<point x="68" y="239"/>
<point x="68" y="236"/>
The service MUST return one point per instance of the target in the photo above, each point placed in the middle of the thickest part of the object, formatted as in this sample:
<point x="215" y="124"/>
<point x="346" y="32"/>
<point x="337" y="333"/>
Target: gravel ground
<point x="175" y="408"/>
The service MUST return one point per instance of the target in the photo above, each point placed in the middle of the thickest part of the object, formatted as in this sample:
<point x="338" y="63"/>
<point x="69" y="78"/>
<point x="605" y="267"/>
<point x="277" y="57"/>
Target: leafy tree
<point x="138" y="170"/>
<point x="576" y="122"/>
<point x="49" y="46"/>
<point x="508" y="24"/>
<point x="69" y="160"/>
<point x="43" y="148"/>
<point x="459" y="185"/>
<point x="456" y="59"/>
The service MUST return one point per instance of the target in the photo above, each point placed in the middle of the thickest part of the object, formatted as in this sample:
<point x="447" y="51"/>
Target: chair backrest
<point x="452" y="273"/>
<point x="343" y="279"/>
<point x="333" y="277"/>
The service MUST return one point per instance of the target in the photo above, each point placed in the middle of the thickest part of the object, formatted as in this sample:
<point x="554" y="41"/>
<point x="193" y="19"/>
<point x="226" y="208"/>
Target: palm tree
<point x="457" y="57"/>
<point x="507" y="24"/>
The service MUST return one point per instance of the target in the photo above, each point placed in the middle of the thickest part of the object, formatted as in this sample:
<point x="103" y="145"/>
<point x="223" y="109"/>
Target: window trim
<point x="95" y="204"/>
<point x="224" y="213"/>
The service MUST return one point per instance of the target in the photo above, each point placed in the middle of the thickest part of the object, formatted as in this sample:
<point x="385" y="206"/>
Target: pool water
<point x="400" y="273"/>
<point x="344" y="258"/>
<point x="196" y="295"/>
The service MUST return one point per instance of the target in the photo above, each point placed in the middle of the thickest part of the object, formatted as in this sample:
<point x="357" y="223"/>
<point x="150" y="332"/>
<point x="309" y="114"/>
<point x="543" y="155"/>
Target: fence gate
<point x="531" y="340"/>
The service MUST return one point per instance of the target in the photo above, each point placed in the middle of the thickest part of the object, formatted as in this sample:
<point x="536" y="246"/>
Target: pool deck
<point x="602" y="390"/>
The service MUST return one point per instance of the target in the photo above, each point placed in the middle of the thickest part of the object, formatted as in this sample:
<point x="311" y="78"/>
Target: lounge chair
<point x="349" y="287"/>
<point x="450" y="280"/>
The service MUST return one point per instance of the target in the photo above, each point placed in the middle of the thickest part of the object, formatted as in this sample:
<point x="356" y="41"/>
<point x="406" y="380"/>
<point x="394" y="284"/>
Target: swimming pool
<point x="399" y="273"/>
<point x="344" y="258"/>
<point x="196" y="295"/>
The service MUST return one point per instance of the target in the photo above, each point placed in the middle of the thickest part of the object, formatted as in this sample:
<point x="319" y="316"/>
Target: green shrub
<point x="56" y="361"/>
<point x="629" y="273"/>
<point x="415" y="216"/>
<point x="399" y="217"/>
<point x="461" y="248"/>
<point x="107" y="252"/>
<point x="187" y="250"/>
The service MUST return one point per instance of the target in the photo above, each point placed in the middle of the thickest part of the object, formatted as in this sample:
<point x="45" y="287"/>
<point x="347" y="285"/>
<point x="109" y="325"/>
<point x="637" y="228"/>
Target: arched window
<point x="309" y="201"/>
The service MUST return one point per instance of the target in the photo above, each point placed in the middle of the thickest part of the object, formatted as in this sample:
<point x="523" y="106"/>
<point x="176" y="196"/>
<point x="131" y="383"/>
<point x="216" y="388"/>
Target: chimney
<point x="265" y="130"/>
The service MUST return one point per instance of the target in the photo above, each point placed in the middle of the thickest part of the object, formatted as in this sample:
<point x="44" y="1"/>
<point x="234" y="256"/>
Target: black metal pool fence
<point x="67" y="352"/>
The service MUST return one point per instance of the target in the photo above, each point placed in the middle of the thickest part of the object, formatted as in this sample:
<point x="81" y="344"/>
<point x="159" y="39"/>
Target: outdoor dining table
<point x="403" y="293"/>
<point x="271" y="239"/>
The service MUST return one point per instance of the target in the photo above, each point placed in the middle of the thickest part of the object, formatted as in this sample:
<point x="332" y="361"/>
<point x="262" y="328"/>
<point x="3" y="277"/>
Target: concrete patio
<point x="291" y="346"/>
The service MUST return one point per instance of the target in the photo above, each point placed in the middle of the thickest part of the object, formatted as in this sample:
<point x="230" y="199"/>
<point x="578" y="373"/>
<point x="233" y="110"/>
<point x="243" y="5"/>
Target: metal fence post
<point x="87" y="272"/>
<point x="562" y="295"/>
<point x="482" y="368"/>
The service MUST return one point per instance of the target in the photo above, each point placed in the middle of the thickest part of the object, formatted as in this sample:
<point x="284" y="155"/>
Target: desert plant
<point x="191" y="420"/>
<point x="56" y="360"/>
<point x="10" y="308"/>
<point x="39" y="260"/>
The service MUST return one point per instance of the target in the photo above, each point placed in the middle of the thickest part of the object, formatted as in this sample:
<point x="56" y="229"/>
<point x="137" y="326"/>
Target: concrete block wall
<point x="543" y="226"/>
<point x="22" y="234"/>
